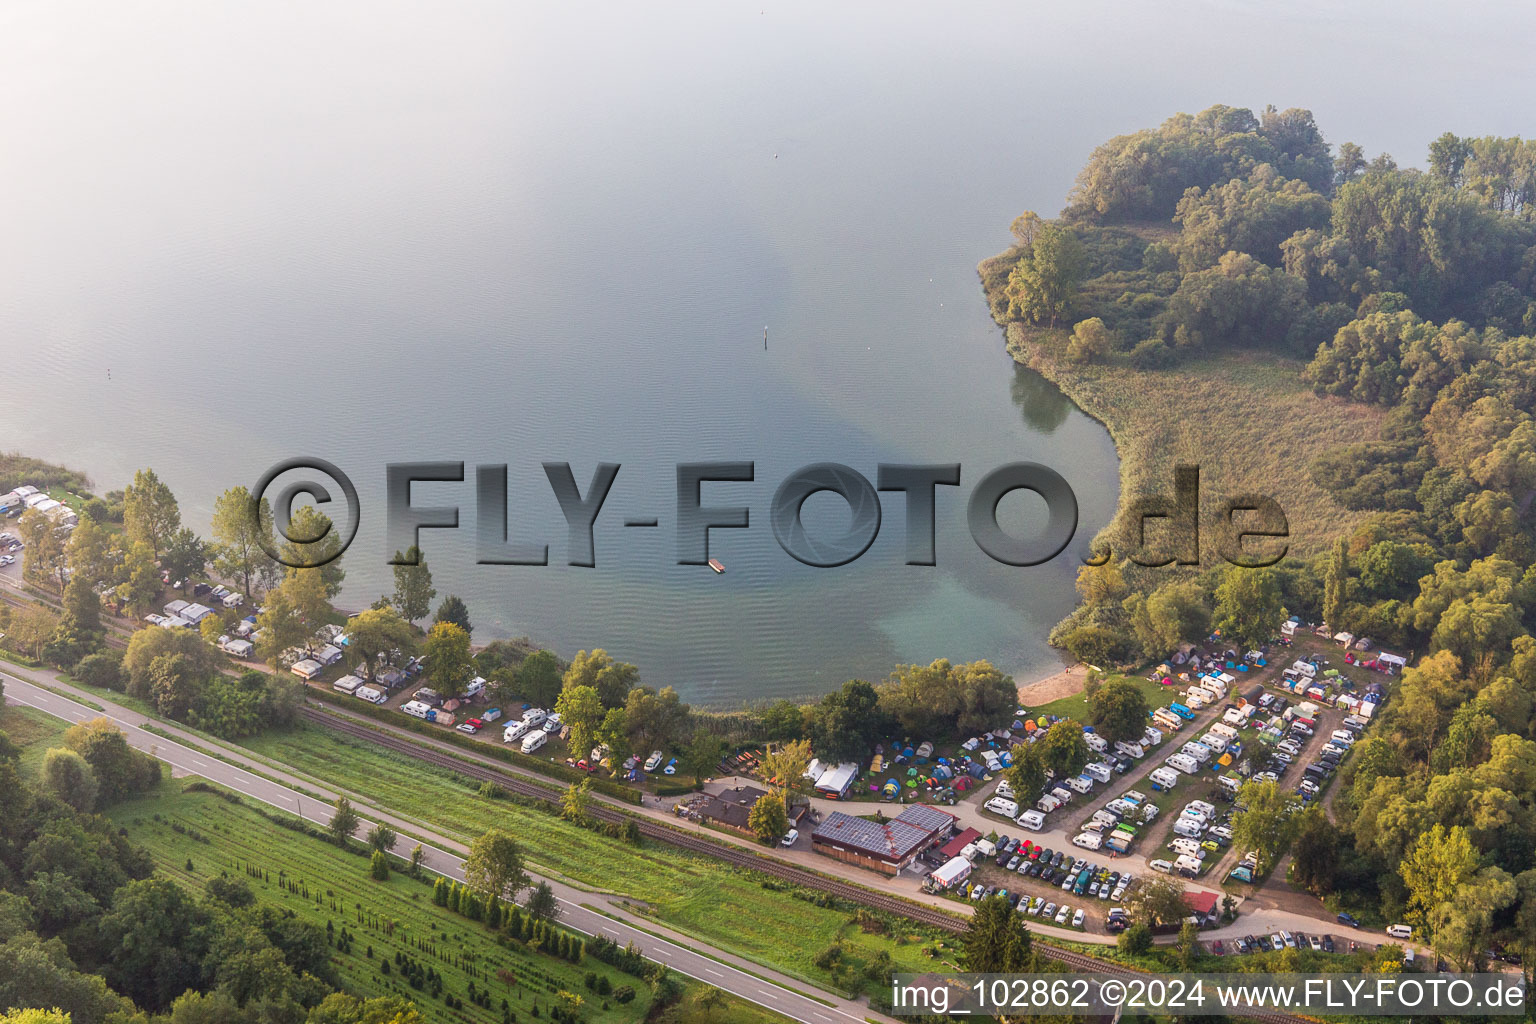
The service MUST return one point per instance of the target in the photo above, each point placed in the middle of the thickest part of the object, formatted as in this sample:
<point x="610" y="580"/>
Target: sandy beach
<point x="1054" y="687"/>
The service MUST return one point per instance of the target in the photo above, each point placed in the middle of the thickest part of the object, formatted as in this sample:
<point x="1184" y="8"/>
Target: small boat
<point x="717" y="565"/>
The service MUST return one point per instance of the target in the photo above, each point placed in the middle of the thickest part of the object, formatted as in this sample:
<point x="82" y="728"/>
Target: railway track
<point x="513" y="783"/>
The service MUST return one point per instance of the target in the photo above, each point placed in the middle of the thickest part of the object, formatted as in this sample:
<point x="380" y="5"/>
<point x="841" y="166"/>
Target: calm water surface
<point x="497" y="233"/>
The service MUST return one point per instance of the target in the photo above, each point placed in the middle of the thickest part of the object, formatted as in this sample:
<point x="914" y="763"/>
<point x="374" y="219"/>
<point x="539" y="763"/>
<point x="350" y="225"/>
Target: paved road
<point x="723" y="970"/>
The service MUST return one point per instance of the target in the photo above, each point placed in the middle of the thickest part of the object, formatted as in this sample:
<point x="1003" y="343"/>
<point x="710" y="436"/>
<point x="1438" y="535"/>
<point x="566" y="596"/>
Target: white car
<point x="1035" y="905"/>
<point x="654" y="761"/>
<point x="1077" y="918"/>
<point x="1160" y="865"/>
<point x="790" y="837"/>
<point x="7" y="559"/>
<point x="1063" y="914"/>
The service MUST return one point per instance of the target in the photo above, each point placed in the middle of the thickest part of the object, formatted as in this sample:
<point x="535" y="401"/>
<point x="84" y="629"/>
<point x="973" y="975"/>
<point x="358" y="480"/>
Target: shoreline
<point x="1067" y="683"/>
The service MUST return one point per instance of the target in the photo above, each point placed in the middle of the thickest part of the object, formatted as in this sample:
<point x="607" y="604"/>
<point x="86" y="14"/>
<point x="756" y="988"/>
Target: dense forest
<point x="1413" y="291"/>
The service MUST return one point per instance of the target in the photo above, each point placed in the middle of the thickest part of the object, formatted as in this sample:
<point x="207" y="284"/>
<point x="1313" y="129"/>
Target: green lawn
<point x="1075" y="707"/>
<point x="34" y="732"/>
<point x="385" y="917"/>
<point x="727" y="907"/>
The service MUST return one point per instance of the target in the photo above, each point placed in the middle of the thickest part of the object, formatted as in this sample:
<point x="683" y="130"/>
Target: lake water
<point x="479" y="232"/>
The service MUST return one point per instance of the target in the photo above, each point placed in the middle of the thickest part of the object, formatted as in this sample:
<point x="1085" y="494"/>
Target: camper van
<point x="1164" y="777"/>
<point x="1187" y="866"/>
<point x="1032" y="820"/>
<point x="1096" y="743"/>
<point x="1184" y="763"/>
<point x="1223" y="729"/>
<point x="1199" y="751"/>
<point x="1088" y="840"/>
<point x="415" y="708"/>
<point x="1182" y="711"/>
<point x="1098" y="771"/>
<point x="1187" y="828"/>
<point x="1216" y="742"/>
<point x="534" y="740"/>
<point x="369" y="694"/>
<point x="1081" y="784"/>
<point x="1230" y="783"/>
<point x="1132" y="750"/>
<point x="1167" y="720"/>
<point x="514" y="731"/>
<point x="1000" y="805"/>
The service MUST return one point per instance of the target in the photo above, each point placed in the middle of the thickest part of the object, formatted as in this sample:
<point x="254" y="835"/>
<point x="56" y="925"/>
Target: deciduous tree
<point x="150" y="512"/>
<point x="413" y="584"/>
<point x="495" y="866"/>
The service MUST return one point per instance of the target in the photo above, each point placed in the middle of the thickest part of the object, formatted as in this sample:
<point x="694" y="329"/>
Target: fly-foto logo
<point x="496" y="540"/>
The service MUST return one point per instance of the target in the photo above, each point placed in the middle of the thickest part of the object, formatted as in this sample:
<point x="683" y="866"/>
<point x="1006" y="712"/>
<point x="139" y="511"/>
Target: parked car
<point x="1063" y="914"/>
<point x="1077" y="918"/>
<point x="790" y="837"/>
<point x="654" y="761"/>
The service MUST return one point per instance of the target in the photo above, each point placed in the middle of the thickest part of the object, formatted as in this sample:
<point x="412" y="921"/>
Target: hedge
<point x="553" y="769"/>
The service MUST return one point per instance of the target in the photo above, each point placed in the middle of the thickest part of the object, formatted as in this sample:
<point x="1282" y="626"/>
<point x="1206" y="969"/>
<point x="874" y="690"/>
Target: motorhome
<point x="1199" y="751"/>
<point x="1000" y="805"/>
<point x="1151" y="736"/>
<point x="1186" y="846"/>
<point x="1187" y="828"/>
<point x="1216" y="743"/>
<point x="1100" y="772"/>
<point x="1187" y="866"/>
<point x="1081" y="784"/>
<point x="1184" y="763"/>
<point x="1222" y="729"/>
<point x="534" y="740"/>
<point x="1096" y="743"/>
<point x="1032" y="820"/>
<point x="1234" y="716"/>
<point x="1132" y="750"/>
<point x="1107" y="816"/>
<point x="415" y="708"/>
<point x="1088" y="840"/>
<point x="1165" y="777"/>
<point x="1167" y="719"/>
<point x="514" y="731"/>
